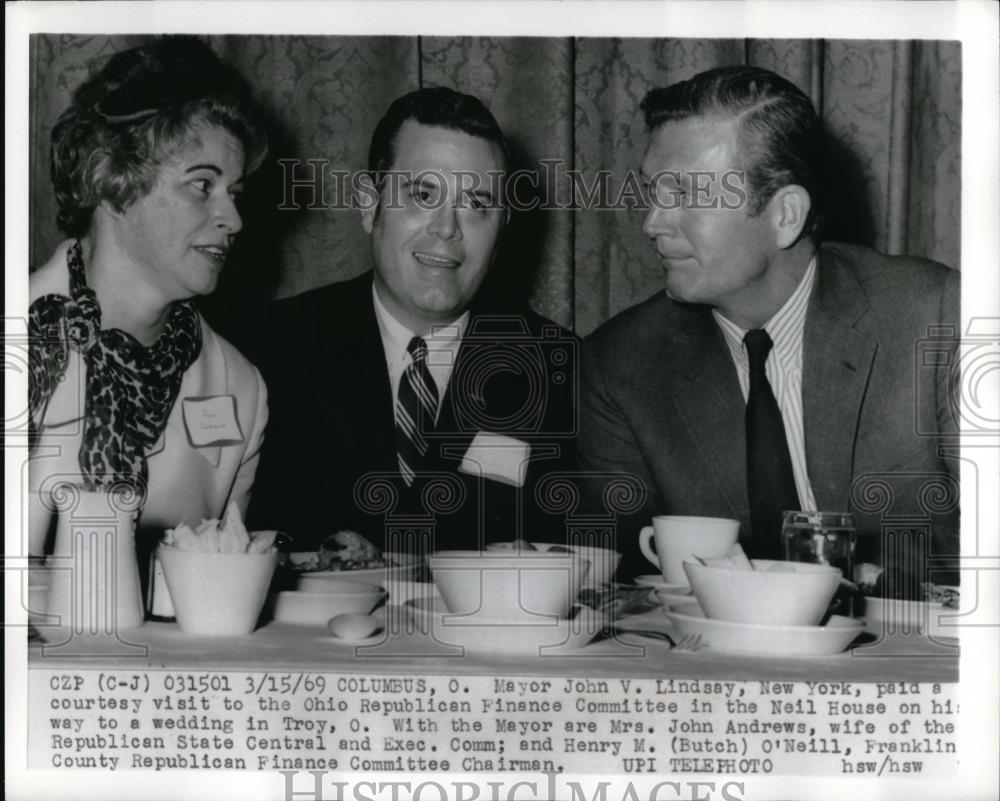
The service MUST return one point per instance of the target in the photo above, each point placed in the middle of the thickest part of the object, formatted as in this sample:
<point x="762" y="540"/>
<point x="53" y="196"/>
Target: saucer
<point x="655" y="582"/>
<point x="760" y="639"/>
<point x="533" y="636"/>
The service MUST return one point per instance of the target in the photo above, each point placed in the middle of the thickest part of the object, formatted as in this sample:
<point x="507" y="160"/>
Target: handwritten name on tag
<point x="212" y="421"/>
<point x="497" y="457"/>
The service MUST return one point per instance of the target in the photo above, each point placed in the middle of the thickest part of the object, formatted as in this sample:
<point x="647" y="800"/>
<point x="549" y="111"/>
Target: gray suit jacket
<point x="661" y="400"/>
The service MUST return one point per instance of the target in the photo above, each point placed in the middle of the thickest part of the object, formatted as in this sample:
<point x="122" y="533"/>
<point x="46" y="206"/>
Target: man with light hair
<point x="778" y="371"/>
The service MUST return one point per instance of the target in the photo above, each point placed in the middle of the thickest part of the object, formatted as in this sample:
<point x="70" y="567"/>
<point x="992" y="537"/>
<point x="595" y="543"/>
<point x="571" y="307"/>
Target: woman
<point x="127" y="382"/>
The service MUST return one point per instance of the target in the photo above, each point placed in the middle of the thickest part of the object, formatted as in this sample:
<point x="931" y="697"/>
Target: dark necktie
<point x="416" y="408"/>
<point x="770" y="480"/>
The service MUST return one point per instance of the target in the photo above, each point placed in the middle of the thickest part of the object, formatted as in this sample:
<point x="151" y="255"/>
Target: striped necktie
<point x="416" y="410"/>
<point x="770" y="478"/>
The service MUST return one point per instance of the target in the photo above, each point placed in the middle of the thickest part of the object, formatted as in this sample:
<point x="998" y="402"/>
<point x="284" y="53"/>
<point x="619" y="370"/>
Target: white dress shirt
<point x="784" y="372"/>
<point x="443" y="343"/>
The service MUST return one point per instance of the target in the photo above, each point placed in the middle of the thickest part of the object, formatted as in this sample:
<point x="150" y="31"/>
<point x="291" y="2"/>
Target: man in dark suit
<point x="776" y="372"/>
<point x="404" y="404"/>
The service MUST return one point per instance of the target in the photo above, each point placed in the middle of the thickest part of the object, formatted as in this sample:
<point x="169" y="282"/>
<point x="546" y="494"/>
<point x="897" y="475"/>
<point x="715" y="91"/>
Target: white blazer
<point x="187" y="482"/>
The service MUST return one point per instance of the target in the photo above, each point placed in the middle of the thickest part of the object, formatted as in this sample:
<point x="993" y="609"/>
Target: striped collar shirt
<point x="443" y="342"/>
<point x="784" y="372"/>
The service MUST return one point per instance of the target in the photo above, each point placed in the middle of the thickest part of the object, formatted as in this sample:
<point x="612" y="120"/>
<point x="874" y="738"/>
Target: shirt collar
<point x="785" y="327"/>
<point x="396" y="336"/>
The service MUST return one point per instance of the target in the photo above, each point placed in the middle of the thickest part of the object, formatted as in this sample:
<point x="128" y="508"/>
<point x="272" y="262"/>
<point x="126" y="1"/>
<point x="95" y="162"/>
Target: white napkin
<point x="497" y="457"/>
<point x="211" y="537"/>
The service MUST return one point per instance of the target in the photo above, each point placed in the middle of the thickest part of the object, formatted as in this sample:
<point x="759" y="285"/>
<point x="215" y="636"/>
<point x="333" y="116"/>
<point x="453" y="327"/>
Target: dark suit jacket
<point x="332" y="423"/>
<point x="661" y="400"/>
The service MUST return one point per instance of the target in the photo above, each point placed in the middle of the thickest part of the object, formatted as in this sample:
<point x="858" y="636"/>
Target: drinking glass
<point x="823" y="538"/>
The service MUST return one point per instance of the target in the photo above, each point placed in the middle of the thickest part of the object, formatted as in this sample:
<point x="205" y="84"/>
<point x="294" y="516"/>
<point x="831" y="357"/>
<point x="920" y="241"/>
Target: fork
<point x="653" y="634"/>
<point x="689" y="642"/>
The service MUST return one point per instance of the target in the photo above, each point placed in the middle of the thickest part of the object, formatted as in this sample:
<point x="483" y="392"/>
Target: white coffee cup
<point x="679" y="538"/>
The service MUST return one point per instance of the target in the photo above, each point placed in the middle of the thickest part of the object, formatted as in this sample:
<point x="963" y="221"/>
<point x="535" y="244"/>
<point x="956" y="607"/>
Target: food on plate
<point x="213" y="536"/>
<point x="870" y="579"/>
<point x="345" y="550"/>
<point x="948" y="597"/>
<point x="614" y="600"/>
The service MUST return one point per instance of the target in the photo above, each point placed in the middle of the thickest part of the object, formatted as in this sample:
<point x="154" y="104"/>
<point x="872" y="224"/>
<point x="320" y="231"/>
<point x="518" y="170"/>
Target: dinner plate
<point x="910" y="617"/>
<point x="761" y="639"/>
<point x="535" y="636"/>
<point x="310" y="581"/>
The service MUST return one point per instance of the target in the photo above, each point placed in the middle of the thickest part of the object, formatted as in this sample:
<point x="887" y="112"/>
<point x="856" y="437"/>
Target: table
<point x="282" y="646"/>
<point x="293" y="697"/>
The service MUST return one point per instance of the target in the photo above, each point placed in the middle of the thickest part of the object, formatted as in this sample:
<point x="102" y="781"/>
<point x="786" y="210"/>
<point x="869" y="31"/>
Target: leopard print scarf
<point x="130" y="389"/>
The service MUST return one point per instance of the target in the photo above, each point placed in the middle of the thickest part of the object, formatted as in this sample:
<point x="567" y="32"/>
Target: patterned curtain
<point x="892" y="110"/>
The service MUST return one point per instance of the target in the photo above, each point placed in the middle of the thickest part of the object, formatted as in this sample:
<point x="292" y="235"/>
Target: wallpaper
<point x="892" y="111"/>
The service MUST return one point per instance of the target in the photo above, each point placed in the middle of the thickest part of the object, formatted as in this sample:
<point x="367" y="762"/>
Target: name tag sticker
<point x="497" y="457"/>
<point x="212" y="421"/>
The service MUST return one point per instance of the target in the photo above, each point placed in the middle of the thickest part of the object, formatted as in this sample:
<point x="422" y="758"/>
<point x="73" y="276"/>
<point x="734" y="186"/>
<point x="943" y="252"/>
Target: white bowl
<point x="341" y="597"/>
<point x="797" y="594"/>
<point x="890" y="616"/>
<point x="217" y="593"/>
<point x="603" y="561"/>
<point x="541" y="636"/>
<point x="508" y="585"/>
